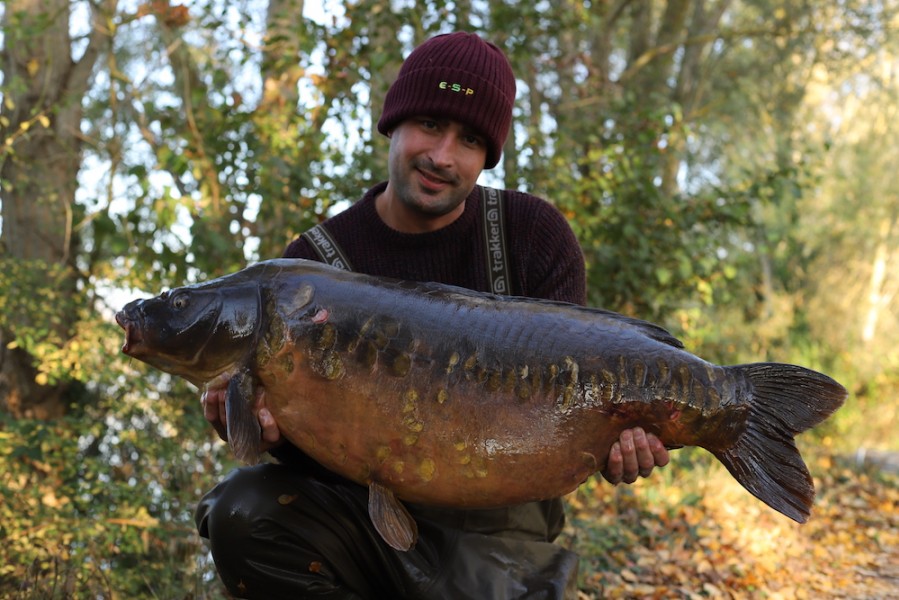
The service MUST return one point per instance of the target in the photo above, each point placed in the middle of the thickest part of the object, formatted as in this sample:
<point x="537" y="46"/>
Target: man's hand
<point x="635" y="453"/>
<point x="214" y="410"/>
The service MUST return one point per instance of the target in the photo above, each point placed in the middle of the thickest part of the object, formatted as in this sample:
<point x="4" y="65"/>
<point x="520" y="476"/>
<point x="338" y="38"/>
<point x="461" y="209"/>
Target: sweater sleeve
<point x="300" y="248"/>
<point x="550" y="262"/>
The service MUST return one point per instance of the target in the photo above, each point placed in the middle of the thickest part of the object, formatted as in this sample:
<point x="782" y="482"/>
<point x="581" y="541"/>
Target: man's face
<point x="434" y="164"/>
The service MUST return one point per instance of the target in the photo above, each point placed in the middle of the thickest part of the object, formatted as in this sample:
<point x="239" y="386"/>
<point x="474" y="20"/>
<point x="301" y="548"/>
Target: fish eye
<point x="179" y="301"/>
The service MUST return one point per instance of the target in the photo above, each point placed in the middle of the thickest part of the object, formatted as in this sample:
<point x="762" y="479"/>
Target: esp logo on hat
<point x="455" y="87"/>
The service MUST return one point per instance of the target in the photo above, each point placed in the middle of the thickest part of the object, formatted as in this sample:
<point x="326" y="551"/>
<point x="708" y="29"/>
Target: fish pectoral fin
<point x="244" y="432"/>
<point x="390" y="518"/>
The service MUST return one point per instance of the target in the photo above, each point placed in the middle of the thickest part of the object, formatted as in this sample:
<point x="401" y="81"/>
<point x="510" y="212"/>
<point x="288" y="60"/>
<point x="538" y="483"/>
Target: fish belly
<point x="450" y="404"/>
<point x="443" y="446"/>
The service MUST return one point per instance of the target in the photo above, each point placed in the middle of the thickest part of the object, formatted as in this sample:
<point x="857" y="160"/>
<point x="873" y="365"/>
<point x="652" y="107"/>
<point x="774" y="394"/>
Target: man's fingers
<point x="642" y="450"/>
<point x="614" y="465"/>
<point x="659" y="452"/>
<point x="635" y="454"/>
<point x="214" y="411"/>
<point x="210" y="412"/>
<point x="270" y="431"/>
<point x="630" y="463"/>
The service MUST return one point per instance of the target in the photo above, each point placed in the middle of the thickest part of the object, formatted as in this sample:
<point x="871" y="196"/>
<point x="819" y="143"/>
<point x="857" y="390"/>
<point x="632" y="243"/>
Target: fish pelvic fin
<point x="786" y="400"/>
<point x="391" y="519"/>
<point x="244" y="431"/>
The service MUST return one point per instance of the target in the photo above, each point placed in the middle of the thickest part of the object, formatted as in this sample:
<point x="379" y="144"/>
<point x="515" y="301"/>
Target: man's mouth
<point x="433" y="177"/>
<point x="431" y="180"/>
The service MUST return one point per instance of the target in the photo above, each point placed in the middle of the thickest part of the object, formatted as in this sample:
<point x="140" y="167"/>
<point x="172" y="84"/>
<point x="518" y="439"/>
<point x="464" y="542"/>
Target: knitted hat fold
<point x="457" y="76"/>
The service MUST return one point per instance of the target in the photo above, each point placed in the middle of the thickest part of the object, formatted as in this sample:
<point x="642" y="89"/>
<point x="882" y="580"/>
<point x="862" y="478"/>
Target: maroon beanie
<point x="457" y="76"/>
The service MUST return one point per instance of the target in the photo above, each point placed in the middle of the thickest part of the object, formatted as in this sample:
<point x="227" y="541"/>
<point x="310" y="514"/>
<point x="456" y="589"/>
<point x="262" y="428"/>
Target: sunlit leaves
<point x="700" y="535"/>
<point x="108" y="490"/>
<point x="647" y="252"/>
<point x="214" y="132"/>
<point x="32" y="293"/>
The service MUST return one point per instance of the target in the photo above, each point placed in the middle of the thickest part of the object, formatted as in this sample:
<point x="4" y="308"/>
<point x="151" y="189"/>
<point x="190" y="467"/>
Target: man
<point x="295" y="530"/>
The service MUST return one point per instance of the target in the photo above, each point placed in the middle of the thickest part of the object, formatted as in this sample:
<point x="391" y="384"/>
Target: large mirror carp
<point x="443" y="396"/>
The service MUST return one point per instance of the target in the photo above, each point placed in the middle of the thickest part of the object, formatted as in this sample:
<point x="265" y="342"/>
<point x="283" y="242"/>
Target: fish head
<point x="195" y="332"/>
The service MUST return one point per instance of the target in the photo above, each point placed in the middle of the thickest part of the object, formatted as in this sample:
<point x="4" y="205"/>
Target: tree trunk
<point x="281" y="69"/>
<point x="40" y="128"/>
<point x="878" y="297"/>
<point x="385" y="58"/>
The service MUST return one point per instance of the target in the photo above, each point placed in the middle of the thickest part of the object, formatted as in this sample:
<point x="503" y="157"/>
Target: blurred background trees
<point x="729" y="167"/>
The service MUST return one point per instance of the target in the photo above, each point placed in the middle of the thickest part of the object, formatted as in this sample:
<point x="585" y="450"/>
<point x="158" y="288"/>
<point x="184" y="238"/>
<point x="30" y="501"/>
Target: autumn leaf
<point x="702" y="536"/>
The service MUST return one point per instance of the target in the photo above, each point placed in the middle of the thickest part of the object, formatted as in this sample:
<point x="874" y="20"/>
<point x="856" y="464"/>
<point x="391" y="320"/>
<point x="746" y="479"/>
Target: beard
<point x="433" y="203"/>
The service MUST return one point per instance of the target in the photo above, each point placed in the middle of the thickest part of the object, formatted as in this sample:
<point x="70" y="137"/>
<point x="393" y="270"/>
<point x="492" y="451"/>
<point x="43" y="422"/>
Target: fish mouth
<point x="133" y="336"/>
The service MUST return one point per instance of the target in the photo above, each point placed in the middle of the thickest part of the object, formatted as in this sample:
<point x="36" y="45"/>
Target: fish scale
<point x="442" y="396"/>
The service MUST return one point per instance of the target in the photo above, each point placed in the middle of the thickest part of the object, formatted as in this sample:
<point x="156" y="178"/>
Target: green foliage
<point x="646" y="251"/>
<point x="33" y="298"/>
<point x="703" y="174"/>
<point x="99" y="503"/>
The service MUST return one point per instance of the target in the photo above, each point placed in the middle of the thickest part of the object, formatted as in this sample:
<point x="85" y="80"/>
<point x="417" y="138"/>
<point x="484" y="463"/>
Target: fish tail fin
<point x="785" y="400"/>
<point x="244" y="431"/>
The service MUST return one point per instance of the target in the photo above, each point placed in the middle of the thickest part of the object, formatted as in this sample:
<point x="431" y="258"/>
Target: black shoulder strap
<point x="493" y="221"/>
<point x="495" y="239"/>
<point x="327" y="247"/>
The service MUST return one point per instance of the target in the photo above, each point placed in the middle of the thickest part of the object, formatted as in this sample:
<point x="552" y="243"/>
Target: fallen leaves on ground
<point x="698" y="534"/>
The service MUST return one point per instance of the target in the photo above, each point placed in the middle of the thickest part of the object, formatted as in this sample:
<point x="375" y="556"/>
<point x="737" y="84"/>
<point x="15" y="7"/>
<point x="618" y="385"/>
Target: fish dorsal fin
<point x="651" y="330"/>
<point x="244" y="432"/>
<point x="390" y="518"/>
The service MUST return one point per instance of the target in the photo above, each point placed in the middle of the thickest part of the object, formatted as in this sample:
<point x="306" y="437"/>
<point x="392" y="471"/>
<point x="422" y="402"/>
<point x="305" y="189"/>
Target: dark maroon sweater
<point x="546" y="262"/>
<point x="545" y="258"/>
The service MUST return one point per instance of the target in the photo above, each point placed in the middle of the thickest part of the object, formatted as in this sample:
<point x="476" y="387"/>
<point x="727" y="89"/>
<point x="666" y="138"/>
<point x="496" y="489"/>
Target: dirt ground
<point x="703" y="536"/>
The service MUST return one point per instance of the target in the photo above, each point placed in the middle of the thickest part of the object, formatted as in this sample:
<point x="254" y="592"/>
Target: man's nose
<point x="443" y="152"/>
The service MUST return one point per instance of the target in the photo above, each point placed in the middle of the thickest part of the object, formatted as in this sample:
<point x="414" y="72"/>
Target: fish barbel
<point x="443" y="396"/>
